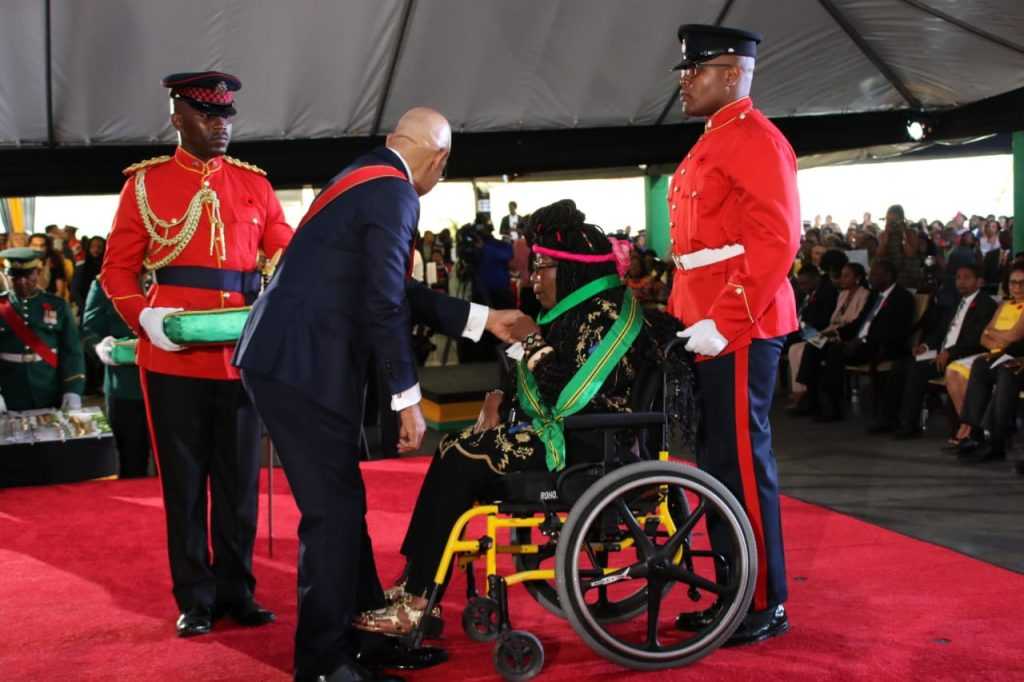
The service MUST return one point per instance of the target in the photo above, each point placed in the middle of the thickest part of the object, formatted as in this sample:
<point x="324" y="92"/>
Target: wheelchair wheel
<point x="605" y="609"/>
<point x="480" y="619"/>
<point x="518" y="656"/>
<point x="725" y="576"/>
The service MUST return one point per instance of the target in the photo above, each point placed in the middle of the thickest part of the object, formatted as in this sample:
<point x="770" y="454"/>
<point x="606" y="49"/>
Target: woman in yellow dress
<point x="1006" y="327"/>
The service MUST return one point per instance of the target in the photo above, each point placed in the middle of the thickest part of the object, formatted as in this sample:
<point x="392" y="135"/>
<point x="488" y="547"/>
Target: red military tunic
<point x="252" y="220"/>
<point x="737" y="186"/>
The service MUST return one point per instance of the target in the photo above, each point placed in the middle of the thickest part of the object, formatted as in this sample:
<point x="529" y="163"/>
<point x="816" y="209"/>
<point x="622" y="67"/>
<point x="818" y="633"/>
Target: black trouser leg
<point x="979" y="393"/>
<point x="1004" y="406"/>
<point x="337" y="576"/>
<point x="234" y="491"/>
<point x="452" y="484"/>
<point x="131" y="435"/>
<point x="916" y="376"/>
<point x="830" y="390"/>
<point x="182" y="436"/>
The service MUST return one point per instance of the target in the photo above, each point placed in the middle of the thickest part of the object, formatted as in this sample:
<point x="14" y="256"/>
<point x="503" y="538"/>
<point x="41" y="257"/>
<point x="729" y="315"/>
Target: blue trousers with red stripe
<point x="735" y="446"/>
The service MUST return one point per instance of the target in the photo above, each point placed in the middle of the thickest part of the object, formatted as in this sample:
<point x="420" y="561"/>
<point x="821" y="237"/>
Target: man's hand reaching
<point x="510" y="325"/>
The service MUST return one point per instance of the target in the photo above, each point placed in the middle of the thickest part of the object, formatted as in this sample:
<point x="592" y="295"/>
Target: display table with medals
<point x="42" y="447"/>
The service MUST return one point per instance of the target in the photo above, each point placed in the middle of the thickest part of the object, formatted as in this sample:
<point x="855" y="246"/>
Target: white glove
<point x="3" y="405"/>
<point x="71" y="401"/>
<point x="104" y="350"/>
<point x="704" y="338"/>
<point x="152" y="321"/>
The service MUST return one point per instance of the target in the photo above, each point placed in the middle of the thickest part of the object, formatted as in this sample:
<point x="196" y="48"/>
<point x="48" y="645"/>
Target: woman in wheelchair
<point x="584" y="356"/>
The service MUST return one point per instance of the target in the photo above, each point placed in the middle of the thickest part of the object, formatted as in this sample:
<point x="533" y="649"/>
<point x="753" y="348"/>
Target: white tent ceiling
<point x="333" y="68"/>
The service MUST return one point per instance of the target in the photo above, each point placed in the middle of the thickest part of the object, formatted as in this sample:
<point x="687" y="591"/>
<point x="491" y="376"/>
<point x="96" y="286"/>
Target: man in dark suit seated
<point x="341" y="296"/>
<point x="820" y="299"/>
<point x="993" y="393"/>
<point x="996" y="265"/>
<point x="954" y="334"/>
<point x="881" y="333"/>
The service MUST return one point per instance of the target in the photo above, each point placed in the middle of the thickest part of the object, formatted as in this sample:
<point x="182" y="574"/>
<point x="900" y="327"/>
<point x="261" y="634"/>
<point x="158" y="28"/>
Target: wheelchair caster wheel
<point x="518" y="656"/>
<point x="480" y="619"/>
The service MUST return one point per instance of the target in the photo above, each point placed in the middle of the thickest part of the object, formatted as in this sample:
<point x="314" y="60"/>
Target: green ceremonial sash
<point x="584" y="385"/>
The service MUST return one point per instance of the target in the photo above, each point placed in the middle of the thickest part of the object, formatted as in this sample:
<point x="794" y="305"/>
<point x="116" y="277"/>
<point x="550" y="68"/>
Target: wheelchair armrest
<point x="613" y="420"/>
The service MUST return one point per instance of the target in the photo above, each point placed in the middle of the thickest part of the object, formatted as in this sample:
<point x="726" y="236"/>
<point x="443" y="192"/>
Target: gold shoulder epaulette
<point x="156" y="160"/>
<point x="247" y="166"/>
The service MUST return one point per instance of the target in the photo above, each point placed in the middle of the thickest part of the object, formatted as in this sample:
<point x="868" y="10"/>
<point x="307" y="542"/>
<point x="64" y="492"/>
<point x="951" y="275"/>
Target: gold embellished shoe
<point x="396" y="619"/>
<point x="393" y="594"/>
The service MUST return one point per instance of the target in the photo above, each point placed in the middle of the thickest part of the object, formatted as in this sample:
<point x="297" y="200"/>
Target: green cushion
<point x="206" y="326"/>
<point x="124" y="351"/>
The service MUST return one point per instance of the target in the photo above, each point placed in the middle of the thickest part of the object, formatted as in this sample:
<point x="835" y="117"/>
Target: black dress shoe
<point x="195" y="621"/>
<point x="380" y="651"/>
<point x="967" y="446"/>
<point x="906" y="434"/>
<point x="984" y="453"/>
<point x="828" y="417"/>
<point x="248" y="613"/>
<point x="760" y="625"/>
<point x="353" y="672"/>
<point x="876" y="429"/>
<point x="695" y="621"/>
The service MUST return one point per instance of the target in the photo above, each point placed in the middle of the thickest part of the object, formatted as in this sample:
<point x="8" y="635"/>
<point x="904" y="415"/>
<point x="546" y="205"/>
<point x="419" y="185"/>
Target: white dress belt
<point x="706" y="257"/>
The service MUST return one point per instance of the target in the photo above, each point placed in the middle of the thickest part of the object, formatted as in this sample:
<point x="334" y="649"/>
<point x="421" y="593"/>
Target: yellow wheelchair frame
<point x="487" y="546"/>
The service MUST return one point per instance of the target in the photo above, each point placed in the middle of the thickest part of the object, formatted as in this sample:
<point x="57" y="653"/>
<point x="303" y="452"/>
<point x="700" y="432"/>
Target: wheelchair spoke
<point x="672" y="546"/>
<point x="682" y="575"/>
<point x="643" y="543"/>
<point x="654" y="595"/>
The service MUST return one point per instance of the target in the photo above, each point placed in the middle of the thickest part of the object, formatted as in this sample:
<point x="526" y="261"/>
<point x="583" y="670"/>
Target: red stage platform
<point x="85" y="595"/>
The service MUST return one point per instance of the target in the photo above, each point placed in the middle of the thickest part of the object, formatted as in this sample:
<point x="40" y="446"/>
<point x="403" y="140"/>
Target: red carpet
<point x="85" y="595"/>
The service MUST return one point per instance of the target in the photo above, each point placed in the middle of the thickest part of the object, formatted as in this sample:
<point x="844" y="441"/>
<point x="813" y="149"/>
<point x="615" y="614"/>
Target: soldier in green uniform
<point x="41" y="360"/>
<point x="101" y="325"/>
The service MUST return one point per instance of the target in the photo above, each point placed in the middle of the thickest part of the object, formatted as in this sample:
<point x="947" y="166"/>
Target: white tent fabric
<point x="325" y="68"/>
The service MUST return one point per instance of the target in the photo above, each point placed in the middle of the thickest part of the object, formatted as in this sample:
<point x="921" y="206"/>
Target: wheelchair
<point x="605" y="544"/>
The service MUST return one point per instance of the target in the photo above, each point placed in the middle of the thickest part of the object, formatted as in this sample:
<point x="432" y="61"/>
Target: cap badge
<point x="682" y="46"/>
<point x="222" y="88"/>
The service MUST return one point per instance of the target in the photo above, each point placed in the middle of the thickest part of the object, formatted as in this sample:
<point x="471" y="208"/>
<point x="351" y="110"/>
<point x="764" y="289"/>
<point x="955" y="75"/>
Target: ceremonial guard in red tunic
<point x="735" y="229"/>
<point x="197" y="221"/>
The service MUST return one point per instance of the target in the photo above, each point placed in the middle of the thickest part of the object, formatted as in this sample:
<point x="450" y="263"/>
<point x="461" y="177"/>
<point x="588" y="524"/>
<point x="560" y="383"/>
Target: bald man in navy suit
<point x="341" y="296"/>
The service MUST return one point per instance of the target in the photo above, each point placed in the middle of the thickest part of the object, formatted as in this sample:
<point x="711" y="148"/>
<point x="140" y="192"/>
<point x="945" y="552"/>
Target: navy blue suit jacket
<point x="341" y="296"/>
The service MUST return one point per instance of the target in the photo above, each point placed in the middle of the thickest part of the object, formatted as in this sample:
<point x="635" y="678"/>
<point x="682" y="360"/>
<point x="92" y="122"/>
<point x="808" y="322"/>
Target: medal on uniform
<point x="49" y="315"/>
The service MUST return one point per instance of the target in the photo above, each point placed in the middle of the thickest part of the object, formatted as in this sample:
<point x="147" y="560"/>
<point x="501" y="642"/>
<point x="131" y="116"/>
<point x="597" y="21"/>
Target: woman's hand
<point x="489" y="417"/>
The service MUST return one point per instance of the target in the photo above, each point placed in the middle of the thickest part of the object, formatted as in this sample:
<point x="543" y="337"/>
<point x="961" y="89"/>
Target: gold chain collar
<point x="189" y="223"/>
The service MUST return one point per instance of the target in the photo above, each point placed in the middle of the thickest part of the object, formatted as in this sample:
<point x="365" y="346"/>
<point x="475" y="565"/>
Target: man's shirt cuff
<point x="407" y="398"/>
<point x="476" y="322"/>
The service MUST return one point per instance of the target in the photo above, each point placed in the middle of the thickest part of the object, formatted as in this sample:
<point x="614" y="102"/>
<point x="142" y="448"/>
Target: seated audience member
<point x="996" y="265"/>
<point x="965" y="253"/>
<point x="880" y="334"/>
<point x="853" y="294"/>
<point x="643" y="281"/>
<point x="990" y="406"/>
<point x="53" y="277"/>
<point x="467" y="466"/>
<point x="1004" y="330"/>
<point x="818" y="300"/>
<point x="955" y="333"/>
<point x="437" y="271"/>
